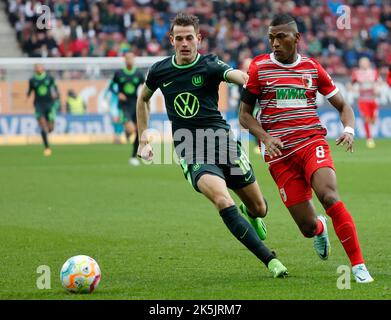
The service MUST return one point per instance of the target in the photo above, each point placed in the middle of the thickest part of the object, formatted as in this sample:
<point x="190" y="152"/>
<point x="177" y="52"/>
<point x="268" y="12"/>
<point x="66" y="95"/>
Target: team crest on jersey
<point x="307" y="80"/>
<point x="283" y="194"/>
<point x="197" y="80"/>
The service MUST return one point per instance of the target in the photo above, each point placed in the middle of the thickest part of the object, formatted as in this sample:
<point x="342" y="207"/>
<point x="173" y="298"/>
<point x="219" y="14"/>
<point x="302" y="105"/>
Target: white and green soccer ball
<point x="80" y="274"/>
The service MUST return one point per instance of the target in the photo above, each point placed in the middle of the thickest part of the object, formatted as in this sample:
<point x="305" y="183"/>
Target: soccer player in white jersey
<point x="285" y="84"/>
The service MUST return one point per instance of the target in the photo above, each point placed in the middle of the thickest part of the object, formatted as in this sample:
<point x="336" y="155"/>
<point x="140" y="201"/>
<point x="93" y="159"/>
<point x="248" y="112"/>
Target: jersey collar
<point x="185" y="66"/>
<point x="286" y="65"/>
<point x="129" y="72"/>
<point x="40" y="76"/>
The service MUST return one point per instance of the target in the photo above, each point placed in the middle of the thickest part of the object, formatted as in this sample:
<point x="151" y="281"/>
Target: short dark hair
<point x="184" y="19"/>
<point x="282" y="18"/>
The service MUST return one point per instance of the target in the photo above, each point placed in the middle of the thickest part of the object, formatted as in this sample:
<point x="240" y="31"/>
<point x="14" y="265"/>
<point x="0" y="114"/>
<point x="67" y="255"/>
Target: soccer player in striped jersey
<point x="367" y="80"/>
<point x="285" y="84"/>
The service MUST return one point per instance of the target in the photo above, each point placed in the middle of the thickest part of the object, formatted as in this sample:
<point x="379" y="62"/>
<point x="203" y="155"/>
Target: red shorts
<point x="293" y="173"/>
<point x="368" y="108"/>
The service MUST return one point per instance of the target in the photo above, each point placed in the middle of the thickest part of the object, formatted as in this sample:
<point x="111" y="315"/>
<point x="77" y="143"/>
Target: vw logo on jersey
<point x="129" y="88"/>
<point x="186" y="105"/>
<point x="197" y="80"/>
<point x="42" y="90"/>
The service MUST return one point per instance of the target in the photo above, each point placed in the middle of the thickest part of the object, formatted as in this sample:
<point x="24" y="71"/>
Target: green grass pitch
<point x="156" y="238"/>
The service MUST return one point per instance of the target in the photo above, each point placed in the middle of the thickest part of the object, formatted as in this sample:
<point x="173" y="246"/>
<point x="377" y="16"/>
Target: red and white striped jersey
<point x="287" y="99"/>
<point x="366" y="80"/>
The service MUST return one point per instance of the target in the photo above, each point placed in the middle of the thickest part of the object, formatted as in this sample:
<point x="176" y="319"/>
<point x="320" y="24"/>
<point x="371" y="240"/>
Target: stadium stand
<point x="234" y="30"/>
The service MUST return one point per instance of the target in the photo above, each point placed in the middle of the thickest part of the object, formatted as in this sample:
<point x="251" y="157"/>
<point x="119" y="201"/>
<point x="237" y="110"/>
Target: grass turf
<point x="155" y="238"/>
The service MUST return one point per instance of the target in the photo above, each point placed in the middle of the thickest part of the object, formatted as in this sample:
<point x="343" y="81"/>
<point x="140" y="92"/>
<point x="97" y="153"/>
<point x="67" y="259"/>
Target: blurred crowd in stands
<point x="233" y="29"/>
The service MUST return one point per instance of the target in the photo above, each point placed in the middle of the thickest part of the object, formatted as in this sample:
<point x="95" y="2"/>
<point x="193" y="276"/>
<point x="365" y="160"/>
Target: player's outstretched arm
<point x="347" y="118"/>
<point x="272" y="145"/>
<point x="237" y="76"/>
<point x="144" y="150"/>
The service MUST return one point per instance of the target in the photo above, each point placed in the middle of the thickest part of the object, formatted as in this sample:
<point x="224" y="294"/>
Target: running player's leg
<point x="296" y="194"/>
<point x="50" y="116"/>
<point x="312" y="225"/>
<point x="365" y="112"/>
<point x="131" y="129"/>
<point x="240" y="177"/>
<point x="371" y="119"/>
<point x="254" y="207"/>
<point x="133" y="119"/>
<point x="215" y="189"/>
<point x="47" y="125"/>
<point x="42" y="118"/>
<point x="253" y="199"/>
<point x="324" y="183"/>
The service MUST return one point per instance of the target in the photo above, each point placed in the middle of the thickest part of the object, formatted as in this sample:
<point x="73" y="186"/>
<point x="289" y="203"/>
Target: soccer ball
<point x="80" y="274"/>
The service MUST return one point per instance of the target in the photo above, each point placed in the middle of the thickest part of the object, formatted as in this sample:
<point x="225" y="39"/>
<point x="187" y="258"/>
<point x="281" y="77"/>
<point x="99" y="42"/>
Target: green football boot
<point x="277" y="269"/>
<point x="257" y="223"/>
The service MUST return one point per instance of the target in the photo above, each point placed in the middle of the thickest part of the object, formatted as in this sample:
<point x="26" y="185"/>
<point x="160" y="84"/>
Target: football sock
<point x="319" y="227"/>
<point x="367" y="130"/>
<point x="135" y="146"/>
<point x="245" y="233"/>
<point x="44" y="135"/>
<point x="346" y="231"/>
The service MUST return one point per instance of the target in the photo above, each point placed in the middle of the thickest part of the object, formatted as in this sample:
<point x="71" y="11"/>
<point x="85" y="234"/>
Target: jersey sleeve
<point x="113" y="86"/>
<point x="30" y="89"/>
<point x="326" y="85"/>
<point x="219" y="68"/>
<point x="252" y="85"/>
<point x="151" y="80"/>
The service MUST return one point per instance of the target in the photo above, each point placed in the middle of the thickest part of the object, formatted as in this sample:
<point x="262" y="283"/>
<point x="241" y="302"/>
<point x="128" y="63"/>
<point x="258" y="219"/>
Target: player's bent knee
<point x="308" y="230"/>
<point x="329" y="199"/>
<point x="260" y="209"/>
<point x="221" y="202"/>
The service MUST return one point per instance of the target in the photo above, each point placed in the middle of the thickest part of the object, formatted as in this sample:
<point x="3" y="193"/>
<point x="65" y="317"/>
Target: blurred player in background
<point x="111" y="99"/>
<point x="285" y="85"/>
<point x="46" y="97"/>
<point x="366" y="80"/>
<point x="189" y="82"/>
<point x="389" y="76"/>
<point x="125" y="84"/>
